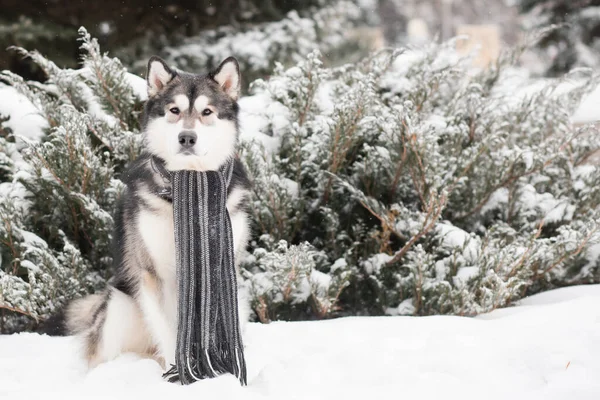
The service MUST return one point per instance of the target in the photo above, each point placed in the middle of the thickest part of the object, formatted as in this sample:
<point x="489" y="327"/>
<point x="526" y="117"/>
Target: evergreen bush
<point x="405" y="184"/>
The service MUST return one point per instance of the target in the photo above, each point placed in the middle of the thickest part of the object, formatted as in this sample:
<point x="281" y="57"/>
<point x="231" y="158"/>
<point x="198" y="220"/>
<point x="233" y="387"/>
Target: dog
<point x="189" y="122"/>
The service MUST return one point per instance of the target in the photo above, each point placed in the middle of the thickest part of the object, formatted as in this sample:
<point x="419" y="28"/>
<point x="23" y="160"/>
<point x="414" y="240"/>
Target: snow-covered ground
<point x="548" y="347"/>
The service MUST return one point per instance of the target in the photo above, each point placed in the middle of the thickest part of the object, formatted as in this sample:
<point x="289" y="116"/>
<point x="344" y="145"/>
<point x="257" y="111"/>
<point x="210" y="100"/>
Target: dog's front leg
<point x="161" y="327"/>
<point x="241" y="232"/>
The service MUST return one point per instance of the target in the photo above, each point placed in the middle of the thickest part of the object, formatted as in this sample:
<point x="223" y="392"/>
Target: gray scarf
<point x="209" y="342"/>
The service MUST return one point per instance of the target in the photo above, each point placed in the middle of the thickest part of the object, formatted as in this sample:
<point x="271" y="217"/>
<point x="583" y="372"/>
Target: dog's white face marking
<point x="200" y="103"/>
<point x="182" y="102"/>
<point x="215" y="138"/>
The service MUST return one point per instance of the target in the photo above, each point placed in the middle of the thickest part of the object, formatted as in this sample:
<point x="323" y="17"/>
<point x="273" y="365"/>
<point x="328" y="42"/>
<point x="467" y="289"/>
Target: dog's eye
<point x="175" y="110"/>
<point x="206" y="112"/>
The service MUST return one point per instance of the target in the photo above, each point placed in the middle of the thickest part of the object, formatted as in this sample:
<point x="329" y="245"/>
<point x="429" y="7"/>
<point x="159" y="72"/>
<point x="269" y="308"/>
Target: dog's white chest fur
<point x="158" y="233"/>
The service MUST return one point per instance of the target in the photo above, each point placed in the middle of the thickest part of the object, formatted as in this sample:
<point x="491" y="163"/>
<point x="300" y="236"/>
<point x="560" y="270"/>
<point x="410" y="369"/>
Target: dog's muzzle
<point x="187" y="139"/>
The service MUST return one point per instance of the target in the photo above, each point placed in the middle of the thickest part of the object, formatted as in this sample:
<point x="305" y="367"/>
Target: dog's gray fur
<point x="137" y="312"/>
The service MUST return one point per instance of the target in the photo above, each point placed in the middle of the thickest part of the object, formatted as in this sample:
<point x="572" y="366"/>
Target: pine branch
<point x="19" y="311"/>
<point x="433" y="212"/>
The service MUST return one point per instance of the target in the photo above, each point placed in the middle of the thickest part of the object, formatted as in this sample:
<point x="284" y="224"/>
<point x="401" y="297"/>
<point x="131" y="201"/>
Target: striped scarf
<point x="209" y="342"/>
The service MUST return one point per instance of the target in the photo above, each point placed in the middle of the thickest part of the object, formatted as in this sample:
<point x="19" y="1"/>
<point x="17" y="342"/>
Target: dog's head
<point x="190" y="120"/>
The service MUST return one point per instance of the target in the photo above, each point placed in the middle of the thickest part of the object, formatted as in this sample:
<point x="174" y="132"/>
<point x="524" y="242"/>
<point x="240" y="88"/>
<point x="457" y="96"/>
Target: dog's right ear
<point x="158" y="75"/>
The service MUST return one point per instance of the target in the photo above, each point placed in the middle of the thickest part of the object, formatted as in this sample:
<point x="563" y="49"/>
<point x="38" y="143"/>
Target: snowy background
<point x="544" y="348"/>
<point x="425" y="210"/>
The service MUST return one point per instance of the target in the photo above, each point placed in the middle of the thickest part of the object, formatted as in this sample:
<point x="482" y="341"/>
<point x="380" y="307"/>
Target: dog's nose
<point x="187" y="139"/>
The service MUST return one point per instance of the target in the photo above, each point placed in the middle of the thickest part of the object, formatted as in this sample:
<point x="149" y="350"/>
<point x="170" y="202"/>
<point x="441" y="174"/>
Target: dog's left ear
<point x="227" y="75"/>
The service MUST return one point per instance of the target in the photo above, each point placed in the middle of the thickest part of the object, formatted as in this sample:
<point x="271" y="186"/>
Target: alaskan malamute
<point x="189" y="122"/>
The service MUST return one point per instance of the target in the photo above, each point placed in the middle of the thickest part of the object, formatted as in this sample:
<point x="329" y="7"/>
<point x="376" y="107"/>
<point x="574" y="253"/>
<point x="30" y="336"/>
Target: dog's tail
<point x="55" y="325"/>
<point x="75" y="317"/>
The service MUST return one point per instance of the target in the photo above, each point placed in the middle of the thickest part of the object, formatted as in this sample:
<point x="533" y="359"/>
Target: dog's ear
<point x="227" y="75"/>
<point x="158" y="75"/>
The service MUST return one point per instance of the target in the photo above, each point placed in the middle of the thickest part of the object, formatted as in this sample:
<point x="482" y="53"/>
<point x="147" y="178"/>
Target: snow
<point x="517" y="85"/>
<point x="554" y="210"/>
<point x="252" y="47"/>
<point x="593" y="257"/>
<point x="32" y="239"/>
<point x="25" y="119"/>
<point x="16" y="190"/>
<point x="254" y="120"/>
<point x="589" y="109"/>
<point x="546" y="348"/>
<point x="405" y="308"/>
<point x="374" y="263"/>
<point x="30" y="266"/>
<point x="139" y="86"/>
<point x="340" y="263"/>
<point x="465" y="274"/>
<point x="320" y="280"/>
<point x="292" y="187"/>
<point x="560" y="295"/>
<point x="104" y="27"/>
<point x="453" y="237"/>
<point x="499" y="196"/>
<point x="527" y="159"/>
<point x="325" y="98"/>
